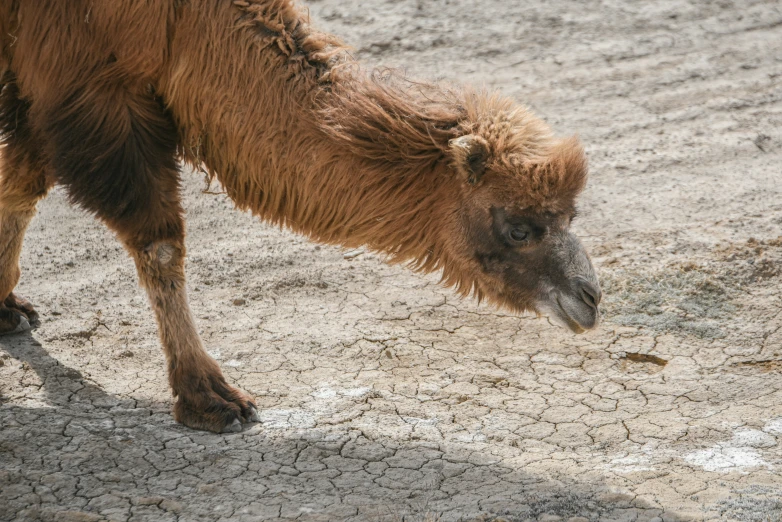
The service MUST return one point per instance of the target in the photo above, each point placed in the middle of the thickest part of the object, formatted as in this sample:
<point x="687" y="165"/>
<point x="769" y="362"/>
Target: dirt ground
<point x="384" y="396"/>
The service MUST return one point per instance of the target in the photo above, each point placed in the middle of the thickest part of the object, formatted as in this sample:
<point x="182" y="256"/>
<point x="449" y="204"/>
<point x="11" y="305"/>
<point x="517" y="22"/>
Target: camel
<point x="110" y="99"/>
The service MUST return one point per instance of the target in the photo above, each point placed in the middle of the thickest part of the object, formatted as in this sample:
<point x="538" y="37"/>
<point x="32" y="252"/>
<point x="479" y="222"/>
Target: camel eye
<point x="519" y="235"/>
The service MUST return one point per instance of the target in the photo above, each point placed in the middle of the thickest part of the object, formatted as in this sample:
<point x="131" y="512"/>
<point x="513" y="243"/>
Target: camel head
<point x="512" y="225"/>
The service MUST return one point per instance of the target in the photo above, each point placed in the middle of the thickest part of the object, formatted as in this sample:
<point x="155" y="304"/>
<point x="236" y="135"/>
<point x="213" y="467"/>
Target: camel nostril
<point x="590" y="294"/>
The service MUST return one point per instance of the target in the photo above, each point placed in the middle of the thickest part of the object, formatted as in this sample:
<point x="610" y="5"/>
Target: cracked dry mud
<point x="386" y="396"/>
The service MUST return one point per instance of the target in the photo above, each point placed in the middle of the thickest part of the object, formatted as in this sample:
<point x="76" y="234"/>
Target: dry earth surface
<point x="384" y="396"/>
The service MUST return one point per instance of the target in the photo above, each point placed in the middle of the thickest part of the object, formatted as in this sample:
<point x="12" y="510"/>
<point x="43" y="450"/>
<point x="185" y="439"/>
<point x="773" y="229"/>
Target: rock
<point x="77" y="516"/>
<point x="171" y="506"/>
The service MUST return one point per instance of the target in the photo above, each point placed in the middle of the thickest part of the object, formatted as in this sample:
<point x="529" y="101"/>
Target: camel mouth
<point x="577" y="319"/>
<point x="580" y="320"/>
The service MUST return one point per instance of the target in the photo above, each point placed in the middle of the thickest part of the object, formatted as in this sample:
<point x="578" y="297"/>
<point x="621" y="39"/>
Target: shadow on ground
<point x="90" y="456"/>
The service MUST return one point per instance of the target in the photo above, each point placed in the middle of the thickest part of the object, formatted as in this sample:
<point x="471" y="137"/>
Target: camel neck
<point x="314" y="184"/>
<point x="341" y="156"/>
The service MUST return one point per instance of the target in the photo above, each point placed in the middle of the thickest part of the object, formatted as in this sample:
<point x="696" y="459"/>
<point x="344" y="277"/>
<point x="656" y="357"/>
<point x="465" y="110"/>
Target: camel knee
<point x="164" y="254"/>
<point x="160" y="263"/>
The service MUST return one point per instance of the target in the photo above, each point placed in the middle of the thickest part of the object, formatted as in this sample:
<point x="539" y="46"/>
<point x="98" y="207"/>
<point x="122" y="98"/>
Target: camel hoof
<point x="13" y="322"/>
<point x="213" y="405"/>
<point x="23" y="326"/>
<point x="234" y="427"/>
<point x="17" y="315"/>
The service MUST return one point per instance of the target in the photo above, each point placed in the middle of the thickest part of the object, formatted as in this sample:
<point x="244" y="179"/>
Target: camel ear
<point x="469" y="155"/>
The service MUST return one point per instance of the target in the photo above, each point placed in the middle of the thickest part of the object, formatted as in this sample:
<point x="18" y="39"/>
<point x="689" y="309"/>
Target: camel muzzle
<point x="574" y="294"/>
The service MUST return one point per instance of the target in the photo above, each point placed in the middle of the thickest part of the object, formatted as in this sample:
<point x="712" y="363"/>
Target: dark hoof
<point x="206" y="402"/>
<point x="235" y="427"/>
<point x="12" y="322"/>
<point x="17" y="315"/>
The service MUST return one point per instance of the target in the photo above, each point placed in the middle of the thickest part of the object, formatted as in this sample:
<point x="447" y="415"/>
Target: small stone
<point x="207" y="489"/>
<point x="148" y="501"/>
<point x="239" y="302"/>
<point x="125" y="354"/>
<point x="172" y="506"/>
<point x="77" y="516"/>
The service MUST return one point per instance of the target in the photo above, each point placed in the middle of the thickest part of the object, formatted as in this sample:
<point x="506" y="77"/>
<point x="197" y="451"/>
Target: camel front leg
<point x="116" y="150"/>
<point x="16" y="314"/>
<point x="22" y="184"/>
<point x="205" y="401"/>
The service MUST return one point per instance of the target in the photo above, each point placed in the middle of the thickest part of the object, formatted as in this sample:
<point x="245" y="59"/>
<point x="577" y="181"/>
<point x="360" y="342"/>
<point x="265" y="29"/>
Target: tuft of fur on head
<point x="551" y="171"/>
<point x="509" y="129"/>
<point x="554" y="184"/>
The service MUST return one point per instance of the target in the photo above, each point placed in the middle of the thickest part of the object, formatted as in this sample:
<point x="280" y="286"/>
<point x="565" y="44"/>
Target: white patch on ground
<point x="725" y="459"/>
<point x="285" y="419"/>
<point x="327" y="401"/>
<point x="774" y="426"/>
<point x="355" y="392"/>
<point x="215" y="354"/>
<point x="629" y="464"/>
<point x="233" y="363"/>
<point x="753" y="439"/>
<point x="415" y="421"/>
<point x="471" y="437"/>
<point x="738" y="454"/>
<point x="325" y="392"/>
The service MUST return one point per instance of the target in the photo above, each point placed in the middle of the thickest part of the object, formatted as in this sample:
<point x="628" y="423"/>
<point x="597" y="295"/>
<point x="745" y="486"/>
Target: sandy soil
<point x="384" y="396"/>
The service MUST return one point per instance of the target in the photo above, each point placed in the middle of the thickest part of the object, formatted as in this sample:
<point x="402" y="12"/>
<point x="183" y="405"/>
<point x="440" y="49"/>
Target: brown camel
<point x="104" y="98"/>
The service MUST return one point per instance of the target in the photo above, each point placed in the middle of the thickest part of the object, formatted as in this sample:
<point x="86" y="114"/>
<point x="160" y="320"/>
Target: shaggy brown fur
<point x="104" y="97"/>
